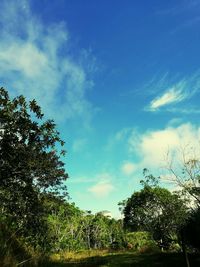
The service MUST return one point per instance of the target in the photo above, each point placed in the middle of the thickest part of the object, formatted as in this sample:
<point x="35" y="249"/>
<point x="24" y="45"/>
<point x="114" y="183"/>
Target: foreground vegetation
<point x="39" y="227"/>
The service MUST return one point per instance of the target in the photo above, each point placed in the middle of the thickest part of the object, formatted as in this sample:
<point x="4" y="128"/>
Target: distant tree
<point x="30" y="160"/>
<point x="71" y="229"/>
<point x="64" y="222"/>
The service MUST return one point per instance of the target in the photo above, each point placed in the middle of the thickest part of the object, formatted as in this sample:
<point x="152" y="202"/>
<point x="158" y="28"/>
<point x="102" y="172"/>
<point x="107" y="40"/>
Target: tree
<point x="184" y="170"/>
<point x="191" y="230"/>
<point x="30" y="160"/>
<point x="64" y="222"/>
<point x="156" y="210"/>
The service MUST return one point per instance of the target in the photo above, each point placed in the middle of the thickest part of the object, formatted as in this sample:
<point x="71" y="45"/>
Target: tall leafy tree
<point x="30" y="159"/>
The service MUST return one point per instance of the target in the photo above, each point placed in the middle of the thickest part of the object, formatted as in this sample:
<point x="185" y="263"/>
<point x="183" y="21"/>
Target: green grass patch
<point x="126" y="259"/>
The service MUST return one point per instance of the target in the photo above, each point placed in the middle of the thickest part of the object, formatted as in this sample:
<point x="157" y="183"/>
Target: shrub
<point x="140" y="241"/>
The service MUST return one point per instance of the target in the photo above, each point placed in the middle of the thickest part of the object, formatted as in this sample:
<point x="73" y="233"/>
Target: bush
<point x="141" y="241"/>
<point x="175" y="247"/>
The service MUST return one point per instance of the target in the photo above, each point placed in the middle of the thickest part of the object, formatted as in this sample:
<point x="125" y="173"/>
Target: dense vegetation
<point x="37" y="220"/>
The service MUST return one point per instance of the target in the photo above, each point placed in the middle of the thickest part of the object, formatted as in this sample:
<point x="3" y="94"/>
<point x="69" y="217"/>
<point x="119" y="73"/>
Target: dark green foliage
<point x="29" y="160"/>
<point x="191" y="230"/>
<point x="30" y="163"/>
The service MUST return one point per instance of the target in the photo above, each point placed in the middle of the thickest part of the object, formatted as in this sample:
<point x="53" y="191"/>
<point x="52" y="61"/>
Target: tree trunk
<point x="161" y="244"/>
<point x="185" y="250"/>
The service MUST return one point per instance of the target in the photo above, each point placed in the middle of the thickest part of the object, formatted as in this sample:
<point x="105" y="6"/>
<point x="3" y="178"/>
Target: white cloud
<point x="103" y="187"/>
<point x="176" y="92"/>
<point x="128" y="168"/>
<point x="25" y="58"/>
<point x="153" y="146"/>
<point x="171" y="96"/>
<point x="35" y="60"/>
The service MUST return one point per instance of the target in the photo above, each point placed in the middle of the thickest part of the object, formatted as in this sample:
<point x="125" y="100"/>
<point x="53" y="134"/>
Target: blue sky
<point x="120" y="78"/>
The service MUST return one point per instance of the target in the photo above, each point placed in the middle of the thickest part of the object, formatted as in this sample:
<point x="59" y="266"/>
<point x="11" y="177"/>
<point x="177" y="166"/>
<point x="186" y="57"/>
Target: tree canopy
<point x="30" y="157"/>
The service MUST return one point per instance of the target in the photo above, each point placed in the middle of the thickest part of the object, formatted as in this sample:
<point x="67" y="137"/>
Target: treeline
<point x="71" y="229"/>
<point x="62" y="226"/>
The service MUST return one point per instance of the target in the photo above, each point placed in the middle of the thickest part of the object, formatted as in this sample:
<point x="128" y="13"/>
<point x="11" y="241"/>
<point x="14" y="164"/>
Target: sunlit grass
<point x="96" y="258"/>
<point x="106" y="258"/>
<point x="81" y="255"/>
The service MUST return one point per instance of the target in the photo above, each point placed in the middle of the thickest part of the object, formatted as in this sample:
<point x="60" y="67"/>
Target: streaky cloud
<point x="177" y="92"/>
<point x="103" y="187"/>
<point x="170" y="96"/>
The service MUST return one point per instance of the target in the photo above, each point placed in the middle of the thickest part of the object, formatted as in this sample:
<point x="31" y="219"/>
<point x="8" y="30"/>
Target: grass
<point x="120" y="259"/>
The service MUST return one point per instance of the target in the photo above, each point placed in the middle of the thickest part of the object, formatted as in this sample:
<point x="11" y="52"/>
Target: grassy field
<point x="126" y="259"/>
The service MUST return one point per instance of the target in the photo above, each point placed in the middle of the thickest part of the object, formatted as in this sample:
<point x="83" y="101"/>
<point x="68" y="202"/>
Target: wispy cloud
<point x="128" y="168"/>
<point x="188" y="110"/>
<point x="170" y="96"/>
<point x="176" y="92"/>
<point x="180" y="8"/>
<point x="103" y="187"/>
<point x="190" y="10"/>
<point x="35" y="60"/>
